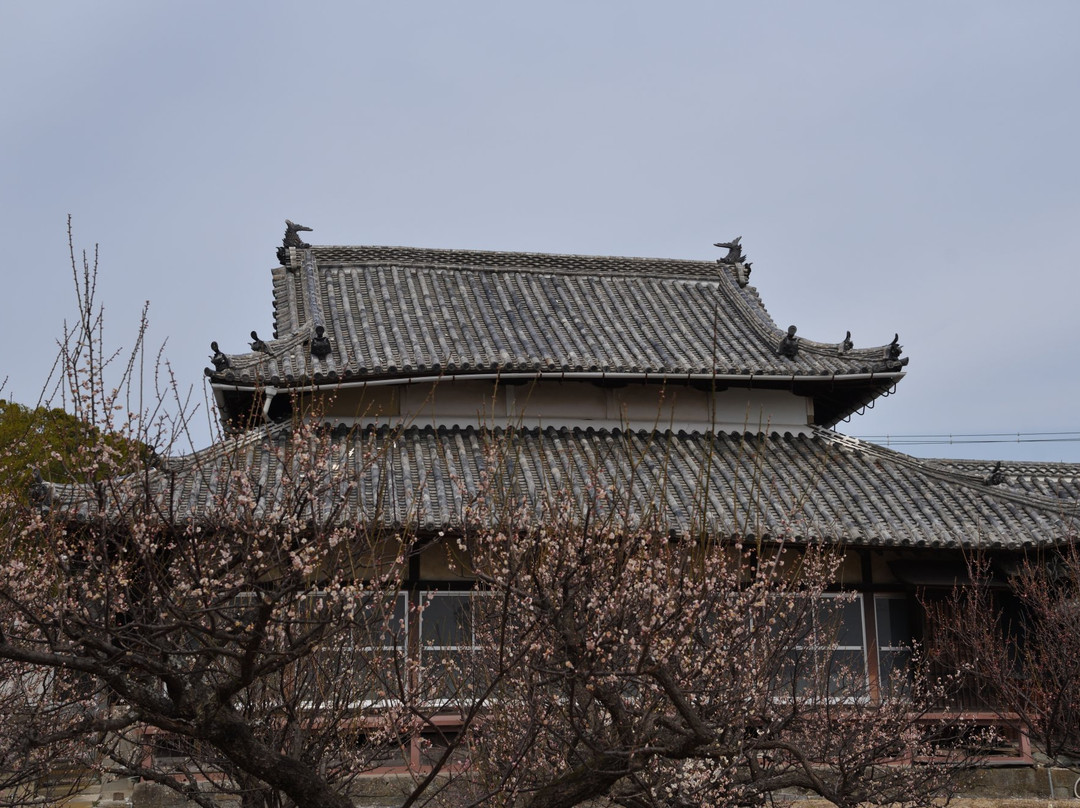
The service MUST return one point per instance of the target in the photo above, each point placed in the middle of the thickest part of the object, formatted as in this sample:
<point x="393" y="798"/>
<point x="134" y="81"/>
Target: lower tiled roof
<point x="812" y="487"/>
<point x="1056" y="480"/>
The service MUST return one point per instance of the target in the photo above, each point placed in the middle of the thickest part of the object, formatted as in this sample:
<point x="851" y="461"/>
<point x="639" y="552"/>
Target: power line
<point x="945" y="439"/>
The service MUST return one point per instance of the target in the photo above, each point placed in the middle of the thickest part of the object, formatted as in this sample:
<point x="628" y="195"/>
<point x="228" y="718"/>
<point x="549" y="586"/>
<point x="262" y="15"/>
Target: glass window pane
<point x="894" y="669"/>
<point x="445" y="619"/>
<point x="381" y="623"/>
<point x="847" y="668"/>
<point x="396" y="630"/>
<point x="446" y="673"/>
<point x="894" y="644"/>
<point x="850" y="632"/>
<point x="892" y="622"/>
<point x="839" y="622"/>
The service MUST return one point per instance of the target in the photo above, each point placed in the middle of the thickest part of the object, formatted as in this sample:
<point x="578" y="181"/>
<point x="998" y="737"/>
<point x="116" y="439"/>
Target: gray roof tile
<point x="823" y="486"/>
<point x="1055" y="480"/>
<point x="402" y="312"/>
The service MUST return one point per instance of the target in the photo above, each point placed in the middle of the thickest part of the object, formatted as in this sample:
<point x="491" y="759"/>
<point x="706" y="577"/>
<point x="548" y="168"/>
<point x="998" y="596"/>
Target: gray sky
<point x="892" y="167"/>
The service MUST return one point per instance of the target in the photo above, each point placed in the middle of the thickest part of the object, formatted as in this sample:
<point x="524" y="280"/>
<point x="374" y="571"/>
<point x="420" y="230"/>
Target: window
<point x="894" y="642"/>
<point x="830" y="647"/>
<point x="364" y="664"/>
<point x="447" y="637"/>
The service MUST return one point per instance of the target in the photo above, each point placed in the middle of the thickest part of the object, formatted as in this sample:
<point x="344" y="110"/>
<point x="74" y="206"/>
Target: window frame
<point x="815" y="650"/>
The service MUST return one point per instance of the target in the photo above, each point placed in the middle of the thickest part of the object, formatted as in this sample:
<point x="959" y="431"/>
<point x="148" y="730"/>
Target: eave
<point x="835" y="397"/>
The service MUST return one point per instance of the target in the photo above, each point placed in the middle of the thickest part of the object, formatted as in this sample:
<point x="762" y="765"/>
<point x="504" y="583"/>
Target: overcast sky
<point x="892" y="167"/>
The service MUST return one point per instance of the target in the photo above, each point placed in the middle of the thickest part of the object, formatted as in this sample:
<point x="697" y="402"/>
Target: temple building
<point x="664" y="380"/>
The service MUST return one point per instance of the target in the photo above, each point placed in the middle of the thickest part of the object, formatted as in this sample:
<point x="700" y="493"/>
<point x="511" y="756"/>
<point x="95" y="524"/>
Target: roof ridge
<point x="562" y="263"/>
<point x="1060" y="465"/>
<point x="531" y="253"/>
<point x="766" y="326"/>
<point x="525" y="270"/>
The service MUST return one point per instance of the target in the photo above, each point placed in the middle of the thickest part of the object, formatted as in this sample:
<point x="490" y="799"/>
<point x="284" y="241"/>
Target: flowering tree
<point x="1016" y="637"/>
<point x="660" y="670"/>
<point x="130" y="631"/>
<point x="244" y="645"/>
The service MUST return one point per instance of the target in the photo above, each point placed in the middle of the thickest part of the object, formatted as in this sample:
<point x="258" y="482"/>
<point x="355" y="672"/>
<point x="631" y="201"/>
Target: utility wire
<point x="945" y="439"/>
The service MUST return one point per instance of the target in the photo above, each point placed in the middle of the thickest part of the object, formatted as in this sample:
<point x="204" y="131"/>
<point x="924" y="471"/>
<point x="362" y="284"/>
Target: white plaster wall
<point x="575" y="404"/>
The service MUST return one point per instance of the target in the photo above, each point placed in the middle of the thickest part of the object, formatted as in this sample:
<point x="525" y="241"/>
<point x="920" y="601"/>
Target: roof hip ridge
<point x="763" y="322"/>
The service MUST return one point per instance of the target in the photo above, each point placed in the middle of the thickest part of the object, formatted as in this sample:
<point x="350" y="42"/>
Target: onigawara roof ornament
<point x="292" y="239"/>
<point x="891" y="359"/>
<point x="320" y="343"/>
<point x="257" y="344"/>
<point x="220" y="360"/>
<point x="894" y="348"/>
<point x="995" y="477"/>
<point x="734" y="255"/>
<point x="789" y="345"/>
<point x="735" y="258"/>
<point x="41" y="492"/>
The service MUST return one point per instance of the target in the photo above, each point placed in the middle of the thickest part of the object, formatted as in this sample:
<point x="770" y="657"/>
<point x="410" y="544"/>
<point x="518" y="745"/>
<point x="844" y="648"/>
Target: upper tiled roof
<point x="395" y="312"/>
<point x="823" y="486"/>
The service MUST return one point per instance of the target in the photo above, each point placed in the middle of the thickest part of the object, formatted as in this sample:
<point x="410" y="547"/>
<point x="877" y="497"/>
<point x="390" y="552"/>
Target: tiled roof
<point x="1055" y="480"/>
<point x="395" y="312"/>
<point x="821" y="486"/>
